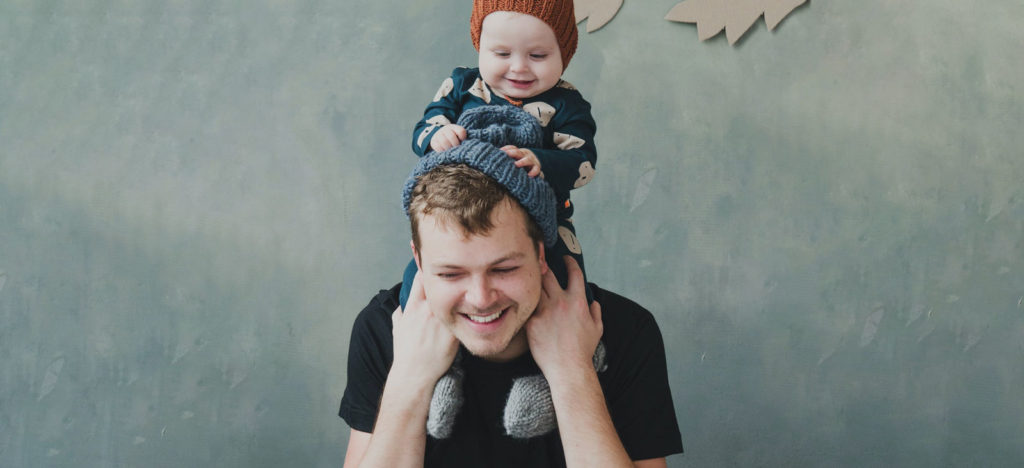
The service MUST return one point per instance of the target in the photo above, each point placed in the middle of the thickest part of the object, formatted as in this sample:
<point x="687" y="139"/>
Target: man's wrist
<point x="572" y="379"/>
<point x="412" y="379"/>
<point x="406" y="398"/>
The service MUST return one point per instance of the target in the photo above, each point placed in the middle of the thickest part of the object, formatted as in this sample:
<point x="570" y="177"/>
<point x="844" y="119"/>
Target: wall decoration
<point x="735" y="16"/>
<point x="600" y="12"/>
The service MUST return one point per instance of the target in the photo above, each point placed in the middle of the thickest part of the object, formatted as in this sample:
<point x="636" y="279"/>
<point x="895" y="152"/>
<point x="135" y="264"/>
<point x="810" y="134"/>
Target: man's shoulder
<point x="628" y="327"/>
<point x="376" y="315"/>
<point x="621" y="310"/>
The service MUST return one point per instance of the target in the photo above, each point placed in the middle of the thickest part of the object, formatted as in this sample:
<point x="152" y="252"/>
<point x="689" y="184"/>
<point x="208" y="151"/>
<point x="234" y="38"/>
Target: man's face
<point x="519" y="55"/>
<point x="483" y="288"/>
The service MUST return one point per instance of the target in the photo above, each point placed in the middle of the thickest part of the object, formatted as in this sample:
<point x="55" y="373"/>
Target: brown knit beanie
<point x="558" y="14"/>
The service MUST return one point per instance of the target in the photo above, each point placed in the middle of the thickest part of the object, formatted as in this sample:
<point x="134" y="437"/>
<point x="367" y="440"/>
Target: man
<point x="484" y="284"/>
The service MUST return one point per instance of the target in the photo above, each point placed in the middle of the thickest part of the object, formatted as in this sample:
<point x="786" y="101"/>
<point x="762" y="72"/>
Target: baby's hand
<point x="449" y="136"/>
<point x="524" y="158"/>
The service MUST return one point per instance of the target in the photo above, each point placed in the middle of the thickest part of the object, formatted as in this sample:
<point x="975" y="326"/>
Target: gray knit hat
<point x="488" y="128"/>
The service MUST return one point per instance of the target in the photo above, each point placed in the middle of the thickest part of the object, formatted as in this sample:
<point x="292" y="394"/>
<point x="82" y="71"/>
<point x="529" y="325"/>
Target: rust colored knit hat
<point x="558" y="14"/>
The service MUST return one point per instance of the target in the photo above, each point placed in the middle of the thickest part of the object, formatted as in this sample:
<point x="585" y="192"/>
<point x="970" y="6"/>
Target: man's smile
<point x="485" y="318"/>
<point x="484" y="323"/>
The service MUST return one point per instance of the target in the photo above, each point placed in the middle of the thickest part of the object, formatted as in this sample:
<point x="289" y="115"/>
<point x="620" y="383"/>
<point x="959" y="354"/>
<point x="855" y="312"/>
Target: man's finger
<point x="549" y="284"/>
<point x="534" y="171"/>
<point x="574" y="273"/>
<point x="416" y="289"/>
<point x="416" y="293"/>
<point x="595" y="313"/>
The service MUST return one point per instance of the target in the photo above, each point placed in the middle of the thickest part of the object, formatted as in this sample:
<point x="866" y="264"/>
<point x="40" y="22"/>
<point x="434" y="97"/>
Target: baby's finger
<point x="450" y="140"/>
<point x="460" y="132"/>
<point x="440" y="142"/>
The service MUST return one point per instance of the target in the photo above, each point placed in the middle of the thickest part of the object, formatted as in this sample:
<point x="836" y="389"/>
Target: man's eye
<point x="505" y="270"/>
<point x="448" y="275"/>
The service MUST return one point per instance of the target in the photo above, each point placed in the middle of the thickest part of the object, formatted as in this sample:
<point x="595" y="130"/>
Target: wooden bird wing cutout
<point x="599" y="12"/>
<point x="735" y="16"/>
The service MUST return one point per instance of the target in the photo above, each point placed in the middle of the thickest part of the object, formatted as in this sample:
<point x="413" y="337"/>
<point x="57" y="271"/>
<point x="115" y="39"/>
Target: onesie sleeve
<point x="370" y="355"/>
<point x="572" y="157"/>
<point x="442" y="110"/>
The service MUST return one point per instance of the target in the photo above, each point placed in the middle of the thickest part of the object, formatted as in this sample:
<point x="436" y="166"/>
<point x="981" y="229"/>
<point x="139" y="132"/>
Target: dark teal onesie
<point x="567" y="158"/>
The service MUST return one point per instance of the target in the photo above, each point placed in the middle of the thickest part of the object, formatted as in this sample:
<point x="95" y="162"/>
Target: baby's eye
<point x="539" y="56"/>
<point x="501" y="53"/>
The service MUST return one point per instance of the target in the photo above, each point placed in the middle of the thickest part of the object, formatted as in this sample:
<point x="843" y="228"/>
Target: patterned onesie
<point x="567" y="158"/>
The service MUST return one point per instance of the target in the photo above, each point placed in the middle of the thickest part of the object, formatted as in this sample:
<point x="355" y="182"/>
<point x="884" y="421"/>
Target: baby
<point x="524" y="47"/>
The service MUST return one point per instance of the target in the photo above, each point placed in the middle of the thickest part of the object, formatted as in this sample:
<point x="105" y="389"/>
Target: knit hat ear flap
<point x="560" y="15"/>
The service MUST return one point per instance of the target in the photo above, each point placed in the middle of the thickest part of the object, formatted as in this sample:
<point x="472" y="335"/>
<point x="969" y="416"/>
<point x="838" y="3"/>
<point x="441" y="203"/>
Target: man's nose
<point x="481" y="294"/>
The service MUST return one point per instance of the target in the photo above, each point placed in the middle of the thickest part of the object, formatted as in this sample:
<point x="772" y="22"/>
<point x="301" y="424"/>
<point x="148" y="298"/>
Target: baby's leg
<point x="567" y="245"/>
<point x="407" y="277"/>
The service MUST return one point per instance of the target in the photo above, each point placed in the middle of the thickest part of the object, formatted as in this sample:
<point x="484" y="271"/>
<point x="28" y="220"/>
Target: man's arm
<point x="563" y="334"/>
<point x="357" y="443"/>
<point x="424" y="349"/>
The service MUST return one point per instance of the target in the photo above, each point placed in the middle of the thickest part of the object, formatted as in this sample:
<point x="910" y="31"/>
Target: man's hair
<point x="462" y="196"/>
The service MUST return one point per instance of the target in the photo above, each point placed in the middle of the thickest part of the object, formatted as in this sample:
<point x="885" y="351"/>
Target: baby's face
<point x="519" y="55"/>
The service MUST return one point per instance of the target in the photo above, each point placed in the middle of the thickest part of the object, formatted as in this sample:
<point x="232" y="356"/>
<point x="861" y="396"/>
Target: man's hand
<point x="564" y="331"/>
<point x="563" y="334"/>
<point x="424" y="347"/>
<point x="449" y="136"/>
<point x="524" y="158"/>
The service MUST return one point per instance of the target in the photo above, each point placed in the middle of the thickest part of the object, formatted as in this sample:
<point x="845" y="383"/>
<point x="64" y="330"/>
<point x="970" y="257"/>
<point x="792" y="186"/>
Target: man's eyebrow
<point x="511" y="256"/>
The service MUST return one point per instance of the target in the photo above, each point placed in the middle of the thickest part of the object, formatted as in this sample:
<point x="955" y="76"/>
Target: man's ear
<point x="415" y="255"/>
<point x="540" y="256"/>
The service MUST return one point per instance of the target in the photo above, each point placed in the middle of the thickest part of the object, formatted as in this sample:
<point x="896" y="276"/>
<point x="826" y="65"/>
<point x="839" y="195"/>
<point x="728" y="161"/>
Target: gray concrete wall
<point x="196" y="198"/>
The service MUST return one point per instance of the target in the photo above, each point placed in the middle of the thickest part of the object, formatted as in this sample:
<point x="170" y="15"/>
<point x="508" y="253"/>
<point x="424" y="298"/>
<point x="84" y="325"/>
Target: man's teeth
<point x="485" y="318"/>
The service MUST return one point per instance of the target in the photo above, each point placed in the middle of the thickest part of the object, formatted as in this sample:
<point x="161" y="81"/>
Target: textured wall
<point x="196" y="197"/>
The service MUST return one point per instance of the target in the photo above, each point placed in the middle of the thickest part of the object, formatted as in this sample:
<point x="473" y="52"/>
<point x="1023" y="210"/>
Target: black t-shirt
<point x="635" y="387"/>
